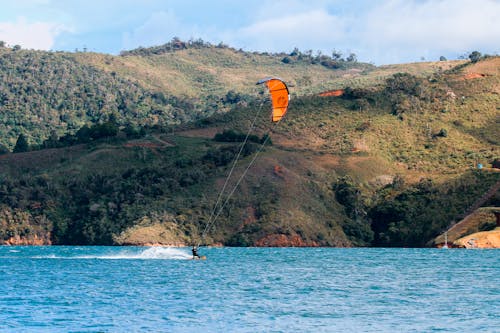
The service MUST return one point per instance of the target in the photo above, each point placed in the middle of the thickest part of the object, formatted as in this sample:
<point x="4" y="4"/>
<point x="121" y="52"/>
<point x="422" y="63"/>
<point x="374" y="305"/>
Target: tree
<point x="404" y="82"/>
<point x="2" y="44"/>
<point x="4" y="150"/>
<point x="352" y="58"/>
<point x="475" y="56"/>
<point x="83" y="134"/>
<point x="496" y="163"/>
<point x="442" y="133"/>
<point x="104" y="130"/>
<point x="349" y="196"/>
<point x="442" y="58"/>
<point x="336" y="55"/>
<point x="52" y="141"/>
<point x="232" y="97"/>
<point x="21" y="144"/>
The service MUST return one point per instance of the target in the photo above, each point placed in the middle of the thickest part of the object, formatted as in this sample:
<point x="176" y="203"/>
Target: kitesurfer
<point x="280" y="98"/>
<point x="195" y="252"/>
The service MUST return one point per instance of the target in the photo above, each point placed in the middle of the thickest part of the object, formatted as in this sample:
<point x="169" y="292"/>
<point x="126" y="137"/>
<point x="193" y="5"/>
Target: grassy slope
<point x="195" y="72"/>
<point x="213" y="71"/>
<point x="329" y="126"/>
<point x="45" y="91"/>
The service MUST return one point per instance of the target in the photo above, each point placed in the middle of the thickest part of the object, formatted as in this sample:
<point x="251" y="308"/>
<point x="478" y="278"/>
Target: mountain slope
<point x="388" y="163"/>
<point x="41" y="92"/>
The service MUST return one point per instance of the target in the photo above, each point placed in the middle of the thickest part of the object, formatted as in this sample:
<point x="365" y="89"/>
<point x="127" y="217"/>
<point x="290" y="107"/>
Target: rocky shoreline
<point x="480" y="240"/>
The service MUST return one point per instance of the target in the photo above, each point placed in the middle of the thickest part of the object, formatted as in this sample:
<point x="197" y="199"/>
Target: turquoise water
<point x="132" y="289"/>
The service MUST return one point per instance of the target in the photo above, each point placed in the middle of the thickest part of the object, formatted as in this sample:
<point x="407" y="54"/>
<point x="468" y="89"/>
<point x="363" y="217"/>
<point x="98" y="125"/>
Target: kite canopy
<point x="279" y="96"/>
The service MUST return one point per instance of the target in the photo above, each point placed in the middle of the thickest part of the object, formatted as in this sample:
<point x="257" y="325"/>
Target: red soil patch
<point x="335" y="93"/>
<point x="278" y="171"/>
<point x="470" y="76"/>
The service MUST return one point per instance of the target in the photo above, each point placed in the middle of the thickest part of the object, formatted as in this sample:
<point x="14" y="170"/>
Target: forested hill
<point x="41" y="92"/>
<point x="133" y="149"/>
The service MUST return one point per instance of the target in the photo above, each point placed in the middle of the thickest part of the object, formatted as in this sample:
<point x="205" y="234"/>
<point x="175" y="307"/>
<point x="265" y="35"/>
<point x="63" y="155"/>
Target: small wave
<point x="165" y="253"/>
<point x="146" y="254"/>
<point x="149" y="253"/>
<point x="47" y="256"/>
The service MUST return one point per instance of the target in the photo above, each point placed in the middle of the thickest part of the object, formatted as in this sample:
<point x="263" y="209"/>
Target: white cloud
<point x="383" y="32"/>
<point x="407" y="28"/>
<point x="276" y="9"/>
<point x="304" y="30"/>
<point x="31" y="35"/>
<point x="160" y="28"/>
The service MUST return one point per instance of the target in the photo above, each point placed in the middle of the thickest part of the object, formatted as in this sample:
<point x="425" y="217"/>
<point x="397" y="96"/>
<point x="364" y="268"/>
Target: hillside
<point x="391" y="162"/>
<point x="42" y="92"/>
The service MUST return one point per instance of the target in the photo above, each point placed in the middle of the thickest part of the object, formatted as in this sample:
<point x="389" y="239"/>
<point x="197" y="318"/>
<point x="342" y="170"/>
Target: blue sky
<point x="377" y="31"/>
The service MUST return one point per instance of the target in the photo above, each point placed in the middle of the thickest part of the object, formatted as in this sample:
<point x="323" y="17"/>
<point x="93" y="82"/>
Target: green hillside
<point x="41" y="92"/>
<point x="391" y="162"/>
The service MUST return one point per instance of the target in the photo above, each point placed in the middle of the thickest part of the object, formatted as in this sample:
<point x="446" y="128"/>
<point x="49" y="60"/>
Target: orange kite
<point x="279" y="96"/>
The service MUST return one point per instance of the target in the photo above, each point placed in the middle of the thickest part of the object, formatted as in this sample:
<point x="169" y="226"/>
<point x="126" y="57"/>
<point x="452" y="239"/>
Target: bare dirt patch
<point x="471" y="76"/>
<point x="485" y="67"/>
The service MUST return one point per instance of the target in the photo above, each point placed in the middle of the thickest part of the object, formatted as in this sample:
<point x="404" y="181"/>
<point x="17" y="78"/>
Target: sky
<point x="377" y="31"/>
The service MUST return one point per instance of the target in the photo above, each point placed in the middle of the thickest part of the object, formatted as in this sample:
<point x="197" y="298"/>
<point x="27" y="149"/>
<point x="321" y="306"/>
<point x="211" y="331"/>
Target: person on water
<point x="195" y="252"/>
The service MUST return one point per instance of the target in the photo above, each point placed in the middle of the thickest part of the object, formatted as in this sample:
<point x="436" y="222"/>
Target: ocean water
<point x="137" y="289"/>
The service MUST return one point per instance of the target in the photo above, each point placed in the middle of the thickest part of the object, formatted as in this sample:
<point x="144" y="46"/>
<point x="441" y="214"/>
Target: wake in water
<point x="150" y="253"/>
<point x="113" y="253"/>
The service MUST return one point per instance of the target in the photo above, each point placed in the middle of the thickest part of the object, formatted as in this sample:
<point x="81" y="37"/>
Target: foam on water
<point x="148" y="253"/>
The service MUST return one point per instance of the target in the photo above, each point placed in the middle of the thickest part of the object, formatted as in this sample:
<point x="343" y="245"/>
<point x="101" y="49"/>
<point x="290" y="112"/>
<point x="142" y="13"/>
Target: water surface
<point x="136" y="289"/>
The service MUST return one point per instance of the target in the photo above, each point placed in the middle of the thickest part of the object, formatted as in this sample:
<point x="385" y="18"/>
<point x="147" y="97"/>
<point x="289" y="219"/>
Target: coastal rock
<point x="20" y="227"/>
<point x="480" y="240"/>
<point x="35" y="240"/>
<point x="157" y="234"/>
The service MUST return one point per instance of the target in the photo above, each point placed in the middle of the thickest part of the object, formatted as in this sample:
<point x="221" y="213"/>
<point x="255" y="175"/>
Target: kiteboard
<point x="199" y="258"/>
